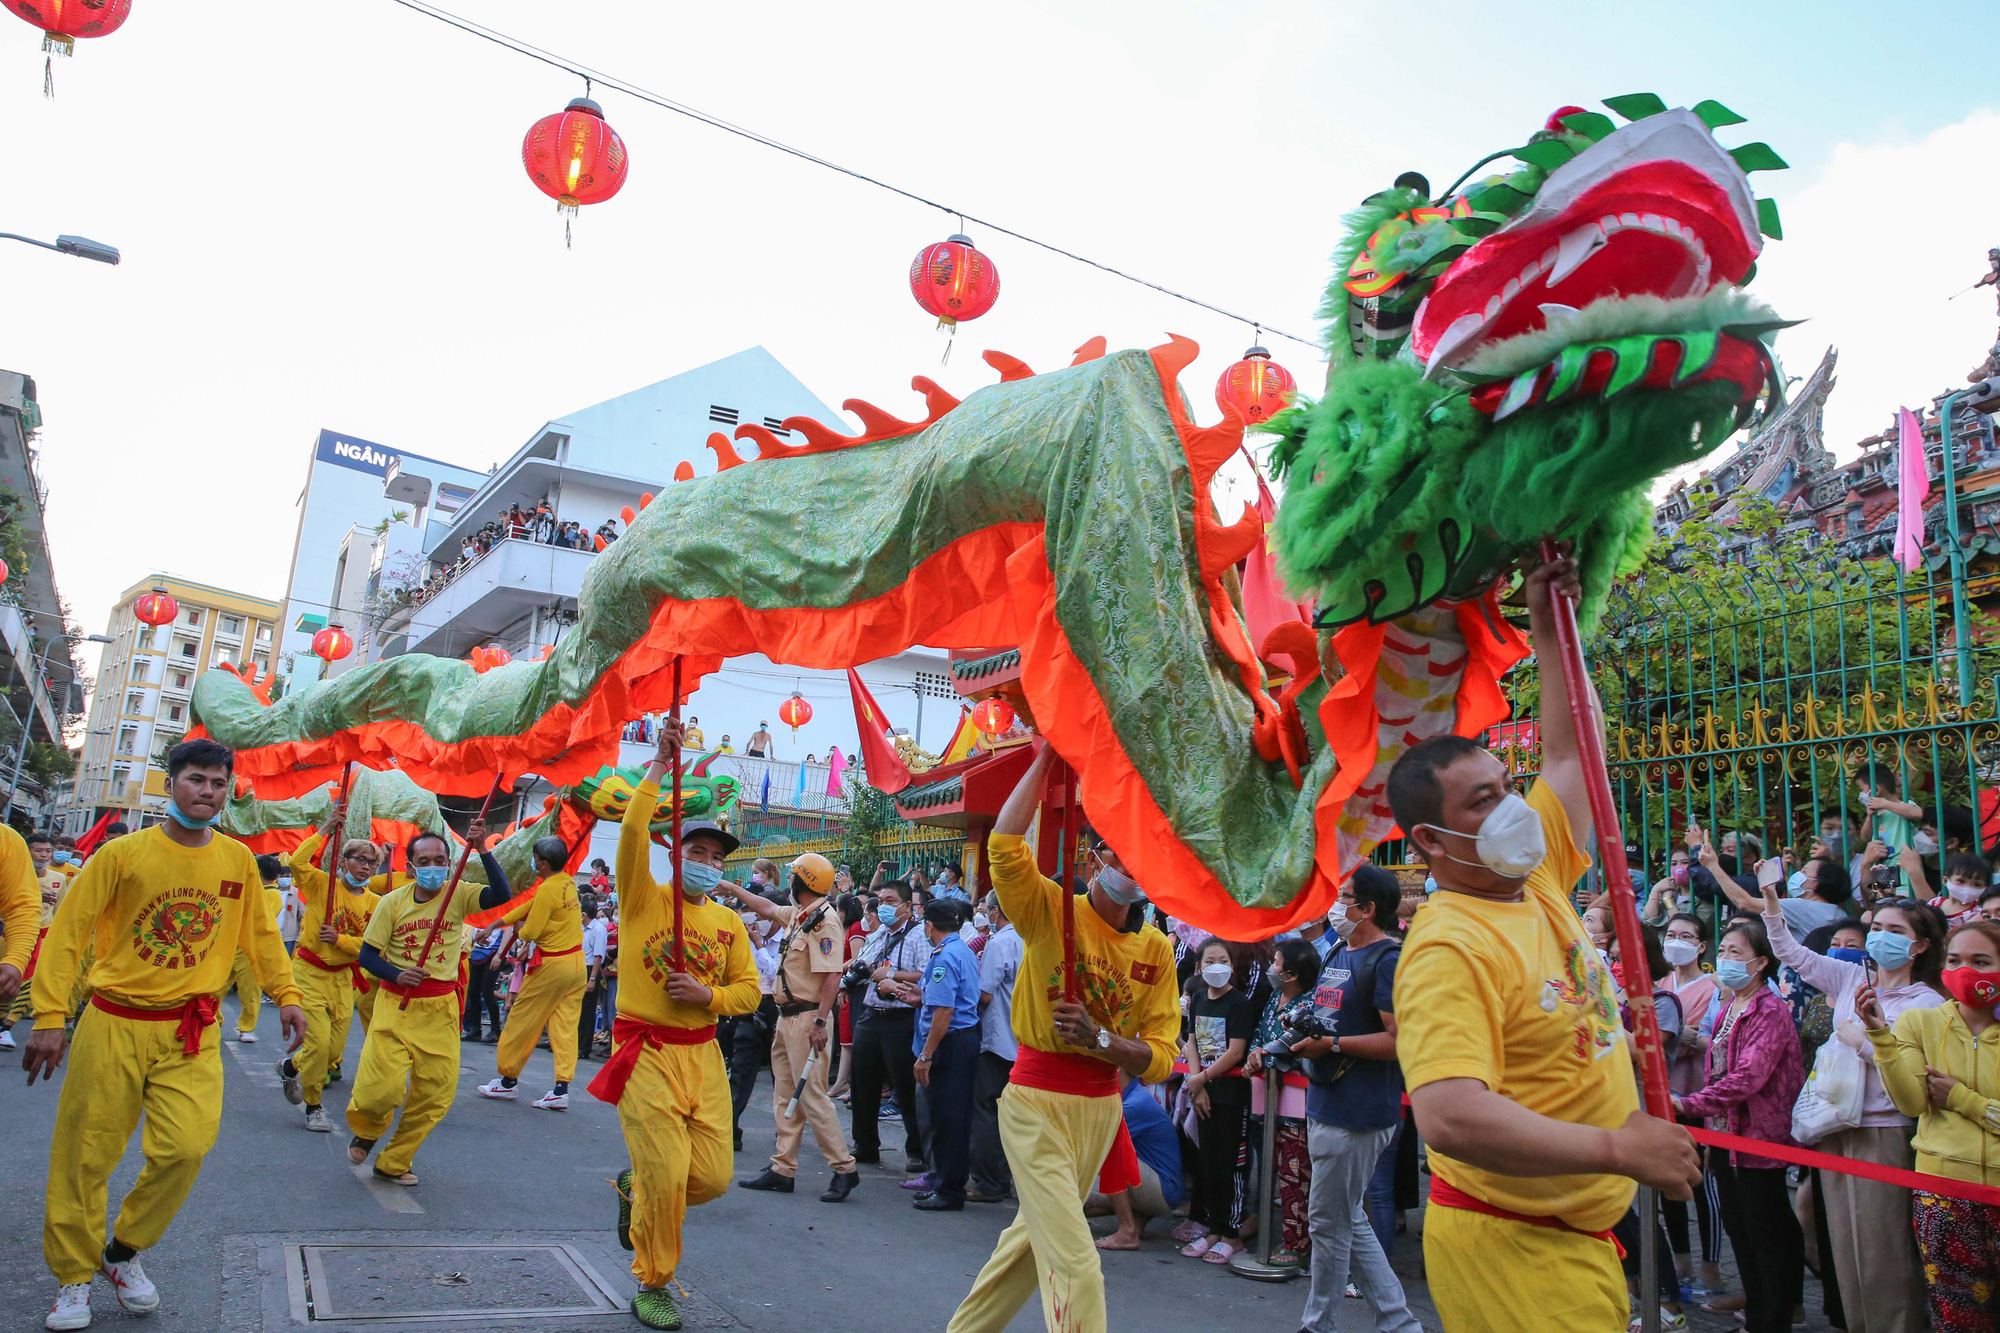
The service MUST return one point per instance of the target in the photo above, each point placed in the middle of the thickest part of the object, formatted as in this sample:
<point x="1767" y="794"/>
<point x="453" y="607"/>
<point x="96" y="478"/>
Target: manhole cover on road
<point x="348" y="1282"/>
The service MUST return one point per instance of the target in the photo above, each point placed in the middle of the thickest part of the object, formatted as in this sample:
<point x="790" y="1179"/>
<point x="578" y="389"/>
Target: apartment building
<point x="145" y="678"/>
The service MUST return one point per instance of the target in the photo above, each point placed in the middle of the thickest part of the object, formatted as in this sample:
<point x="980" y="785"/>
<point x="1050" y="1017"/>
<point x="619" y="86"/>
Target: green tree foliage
<point x="870" y="815"/>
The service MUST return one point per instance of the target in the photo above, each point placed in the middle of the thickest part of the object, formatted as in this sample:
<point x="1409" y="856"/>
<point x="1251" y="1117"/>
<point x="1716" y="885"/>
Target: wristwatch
<point x="1103" y="1039"/>
<point x="1336" y="1043"/>
<point x="819" y="1021"/>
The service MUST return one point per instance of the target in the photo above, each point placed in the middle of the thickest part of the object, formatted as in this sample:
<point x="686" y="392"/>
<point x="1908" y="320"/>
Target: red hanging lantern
<point x="63" y="21"/>
<point x="574" y="158"/>
<point x="795" y="712"/>
<point x="332" y="643"/>
<point x="3" y="571"/>
<point x="993" y="716"/>
<point x="954" y="281"/>
<point x="1255" y="388"/>
<point x="157" y="607"/>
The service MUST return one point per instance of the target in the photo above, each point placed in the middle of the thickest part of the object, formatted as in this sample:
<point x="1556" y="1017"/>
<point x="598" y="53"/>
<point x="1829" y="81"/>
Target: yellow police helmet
<point x="815" y="872"/>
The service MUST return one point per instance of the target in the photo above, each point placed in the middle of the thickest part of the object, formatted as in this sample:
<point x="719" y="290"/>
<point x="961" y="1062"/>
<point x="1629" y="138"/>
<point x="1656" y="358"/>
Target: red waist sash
<point x="424" y="989"/>
<point x="1077" y="1075"/>
<point x="354" y="973"/>
<point x="194" y="1016"/>
<point x="543" y="955"/>
<point x="630" y="1036"/>
<point x="1447" y="1195"/>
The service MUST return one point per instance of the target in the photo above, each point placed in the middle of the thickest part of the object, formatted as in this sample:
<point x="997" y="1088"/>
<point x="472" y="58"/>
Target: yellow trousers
<point x="675" y="1114"/>
<point x="1055" y="1143"/>
<point x="410" y="1060"/>
<point x="364" y="1006"/>
<point x="1495" y="1275"/>
<point x="249" y="992"/>
<point x="119" y="1068"/>
<point x="791" y="1047"/>
<point x="328" y="1001"/>
<point x="552" y="998"/>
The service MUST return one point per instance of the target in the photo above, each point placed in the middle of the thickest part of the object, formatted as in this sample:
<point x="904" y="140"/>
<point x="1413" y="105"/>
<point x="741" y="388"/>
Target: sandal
<point x="407" y="1178"/>
<point x="1196" y="1248"/>
<point x="1222" y="1252"/>
<point x="1186" y="1232"/>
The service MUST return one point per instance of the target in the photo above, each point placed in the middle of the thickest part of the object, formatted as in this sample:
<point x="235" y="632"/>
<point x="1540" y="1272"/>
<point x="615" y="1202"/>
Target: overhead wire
<point x="595" y="76"/>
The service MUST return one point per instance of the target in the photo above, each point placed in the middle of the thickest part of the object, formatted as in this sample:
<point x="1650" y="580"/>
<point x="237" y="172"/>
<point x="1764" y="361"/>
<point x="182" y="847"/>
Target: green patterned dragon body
<point x="1514" y="360"/>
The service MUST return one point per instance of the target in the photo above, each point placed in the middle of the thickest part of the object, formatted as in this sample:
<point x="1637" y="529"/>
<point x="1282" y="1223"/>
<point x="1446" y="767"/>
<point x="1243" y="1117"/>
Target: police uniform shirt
<point x="808" y="954"/>
<point x="953" y="979"/>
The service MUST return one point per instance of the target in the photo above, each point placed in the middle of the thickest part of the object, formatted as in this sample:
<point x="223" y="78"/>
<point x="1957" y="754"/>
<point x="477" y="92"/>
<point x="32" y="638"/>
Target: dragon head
<point x="1524" y="355"/>
<point x="704" y="795"/>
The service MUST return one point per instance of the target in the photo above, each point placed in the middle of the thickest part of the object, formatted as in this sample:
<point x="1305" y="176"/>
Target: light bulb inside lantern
<point x="575" y="170"/>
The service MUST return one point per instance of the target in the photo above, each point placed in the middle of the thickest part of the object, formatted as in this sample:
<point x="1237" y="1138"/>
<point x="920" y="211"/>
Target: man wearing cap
<point x="665" y="1073"/>
<point x="551" y="919"/>
<point x="809" y="966"/>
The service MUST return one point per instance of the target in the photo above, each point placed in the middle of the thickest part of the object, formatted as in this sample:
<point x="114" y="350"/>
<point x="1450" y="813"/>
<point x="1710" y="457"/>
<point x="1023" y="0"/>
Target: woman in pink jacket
<point x="1754" y="1076"/>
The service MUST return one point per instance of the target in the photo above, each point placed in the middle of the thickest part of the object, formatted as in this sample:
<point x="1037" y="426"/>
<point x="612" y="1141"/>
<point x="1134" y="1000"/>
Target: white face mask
<point x="1342" y="924"/>
<point x="980" y="921"/>
<point x="1510" y="838"/>
<point x="1680" y="952"/>
<point x="1964" y="893"/>
<point x="1923" y="844"/>
<point x="1217" y="974"/>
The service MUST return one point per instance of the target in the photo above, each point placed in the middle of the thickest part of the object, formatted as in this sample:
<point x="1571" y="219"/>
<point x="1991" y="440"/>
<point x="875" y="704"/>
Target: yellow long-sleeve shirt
<point x="1128" y="980"/>
<point x="167" y="921"/>
<point x="713" y="941"/>
<point x="553" y="918"/>
<point x="401" y="924"/>
<point x="1962" y="1141"/>
<point x="352" y="909"/>
<point x="20" y="900"/>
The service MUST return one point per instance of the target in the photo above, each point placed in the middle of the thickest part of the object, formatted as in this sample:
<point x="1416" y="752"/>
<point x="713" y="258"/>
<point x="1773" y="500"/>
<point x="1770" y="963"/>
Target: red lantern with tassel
<point x="993" y="716"/>
<point x="954" y="281"/>
<point x="795" y="712"/>
<point x="157" y="607"/>
<point x="575" y="158"/>
<point x="1255" y="388"/>
<point x="63" y="21"/>
<point x="332" y="643"/>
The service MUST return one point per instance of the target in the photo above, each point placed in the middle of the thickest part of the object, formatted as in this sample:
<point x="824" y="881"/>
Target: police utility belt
<point x="793" y="1010"/>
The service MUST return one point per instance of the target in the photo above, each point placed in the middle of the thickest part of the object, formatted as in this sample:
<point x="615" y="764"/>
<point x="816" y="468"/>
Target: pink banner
<point x="1913" y="488"/>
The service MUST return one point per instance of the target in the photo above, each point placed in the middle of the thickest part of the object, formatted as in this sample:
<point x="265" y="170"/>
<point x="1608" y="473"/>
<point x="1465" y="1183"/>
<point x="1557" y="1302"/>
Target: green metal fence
<point x="1753" y="698"/>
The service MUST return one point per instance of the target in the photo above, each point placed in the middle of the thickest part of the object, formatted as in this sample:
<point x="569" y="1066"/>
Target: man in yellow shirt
<point x="25" y="914"/>
<point x="333" y="915"/>
<point x="50" y="884"/>
<point x="410" y="1060"/>
<point x="168" y="908"/>
<point x="1509" y="1035"/>
<point x="552" y="997"/>
<point x="243" y="977"/>
<point x="1062" y="1110"/>
<point x="665" y="1074"/>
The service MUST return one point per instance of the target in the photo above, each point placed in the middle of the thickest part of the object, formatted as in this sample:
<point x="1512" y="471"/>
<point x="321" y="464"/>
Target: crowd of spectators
<point x="537" y="524"/>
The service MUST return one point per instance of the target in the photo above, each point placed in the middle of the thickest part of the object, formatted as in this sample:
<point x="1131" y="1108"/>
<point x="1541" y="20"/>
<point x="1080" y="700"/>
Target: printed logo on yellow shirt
<point x="346" y="922"/>
<point x="704" y="959"/>
<point x="1106" y="994"/>
<point x="1585" y="985"/>
<point x="169" y="931"/>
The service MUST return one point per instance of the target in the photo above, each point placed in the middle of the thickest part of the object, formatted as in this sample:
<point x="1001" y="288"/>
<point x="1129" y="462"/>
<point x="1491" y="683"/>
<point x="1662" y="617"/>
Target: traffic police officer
<point x="809" y="968"/>
<point x="947" y="1049"/>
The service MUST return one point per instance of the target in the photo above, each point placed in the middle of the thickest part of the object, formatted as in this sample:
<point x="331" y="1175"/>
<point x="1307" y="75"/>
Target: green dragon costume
<point x="1514" y="360"/>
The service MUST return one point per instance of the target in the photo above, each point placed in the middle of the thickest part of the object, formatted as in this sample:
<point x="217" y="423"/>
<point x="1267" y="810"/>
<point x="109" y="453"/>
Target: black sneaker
<point x="770" y="1180"/>
<point x="939" y="1203"/>
<point x="842" y="1186"/>
<point x="624" y="1187"/>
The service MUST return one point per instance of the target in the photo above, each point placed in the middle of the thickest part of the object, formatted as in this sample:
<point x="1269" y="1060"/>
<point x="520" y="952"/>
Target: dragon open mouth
<point x="1656" y="209"/>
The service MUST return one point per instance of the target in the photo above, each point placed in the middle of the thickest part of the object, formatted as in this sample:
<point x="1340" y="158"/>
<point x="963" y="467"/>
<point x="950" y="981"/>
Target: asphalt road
<point x="516" y="1211"/>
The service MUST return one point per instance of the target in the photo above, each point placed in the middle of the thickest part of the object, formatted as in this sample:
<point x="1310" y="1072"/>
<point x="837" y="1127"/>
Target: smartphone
<point x="1770" y="872"/>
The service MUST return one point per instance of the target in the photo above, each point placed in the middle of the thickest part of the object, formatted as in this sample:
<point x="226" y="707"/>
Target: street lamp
<point x="80" y="246"/>
<point x="41" y="667"/>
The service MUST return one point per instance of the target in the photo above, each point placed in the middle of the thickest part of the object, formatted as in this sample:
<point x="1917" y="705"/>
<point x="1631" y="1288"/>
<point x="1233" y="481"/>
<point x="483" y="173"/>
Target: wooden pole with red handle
<point x="680" y="959"/>
<point x="444" y="899"/>
<point x="1067" y="858"/>
<point x="334" y="837"/>
<point x="1611" y="853"/>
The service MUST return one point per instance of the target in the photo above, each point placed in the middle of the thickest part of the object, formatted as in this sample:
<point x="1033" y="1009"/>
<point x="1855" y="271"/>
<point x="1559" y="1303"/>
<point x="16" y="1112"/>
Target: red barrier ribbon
<point x="1851" y="1166"/>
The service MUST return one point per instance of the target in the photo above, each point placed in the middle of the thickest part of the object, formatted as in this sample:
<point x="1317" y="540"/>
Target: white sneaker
<point x="129" y="1283"/>
<point x="247" y="1038"/>
<point x="294" y="1094"/>
<point x="316" y="1121"/>
<point x="553" y="1101"/>
<point x="72" y="1307"/>
<point x="498" y="1090"/>
<point x="6" y="1040"/>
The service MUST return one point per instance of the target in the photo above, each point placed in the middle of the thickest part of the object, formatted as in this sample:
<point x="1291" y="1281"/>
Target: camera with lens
<point x="1305" y="1027"/>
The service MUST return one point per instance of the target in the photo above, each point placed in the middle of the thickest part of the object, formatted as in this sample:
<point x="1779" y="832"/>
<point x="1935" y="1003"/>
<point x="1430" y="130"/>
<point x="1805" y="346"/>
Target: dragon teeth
<point x="1575" y="247"/>
<point x="1456" y="338"/>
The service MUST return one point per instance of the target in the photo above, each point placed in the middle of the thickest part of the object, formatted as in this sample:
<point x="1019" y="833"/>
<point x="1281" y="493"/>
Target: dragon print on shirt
<point x="1585" y="985"/>
<point x="705" y="958"/>
<point x="173" y="931"/>
<point x="1107" y="993"/>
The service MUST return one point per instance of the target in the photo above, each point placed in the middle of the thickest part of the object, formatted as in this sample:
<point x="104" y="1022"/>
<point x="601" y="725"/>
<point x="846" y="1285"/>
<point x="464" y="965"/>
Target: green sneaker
<point x="654" y="1308"/>
<point x="625" y="1209"/>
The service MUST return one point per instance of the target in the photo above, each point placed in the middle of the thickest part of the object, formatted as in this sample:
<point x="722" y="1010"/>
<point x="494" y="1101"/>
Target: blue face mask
<point x="60" y="858"/>
<point x="431" y="878"/>
<point x="1889" y="950"/>
<point x="1732" y="972"/>
<point x="188" y="821"/>
<point x="1430" y="885"/>
<point x="698" y="878"/>
<point x="1855" y="956"/>
<point x="885" y="914"/>
<point x="1796" y="885"/>
<point x="353" y="881"/>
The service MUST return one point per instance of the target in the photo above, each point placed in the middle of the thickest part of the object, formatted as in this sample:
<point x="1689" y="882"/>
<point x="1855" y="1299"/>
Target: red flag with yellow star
<point x="886" y="771"/>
